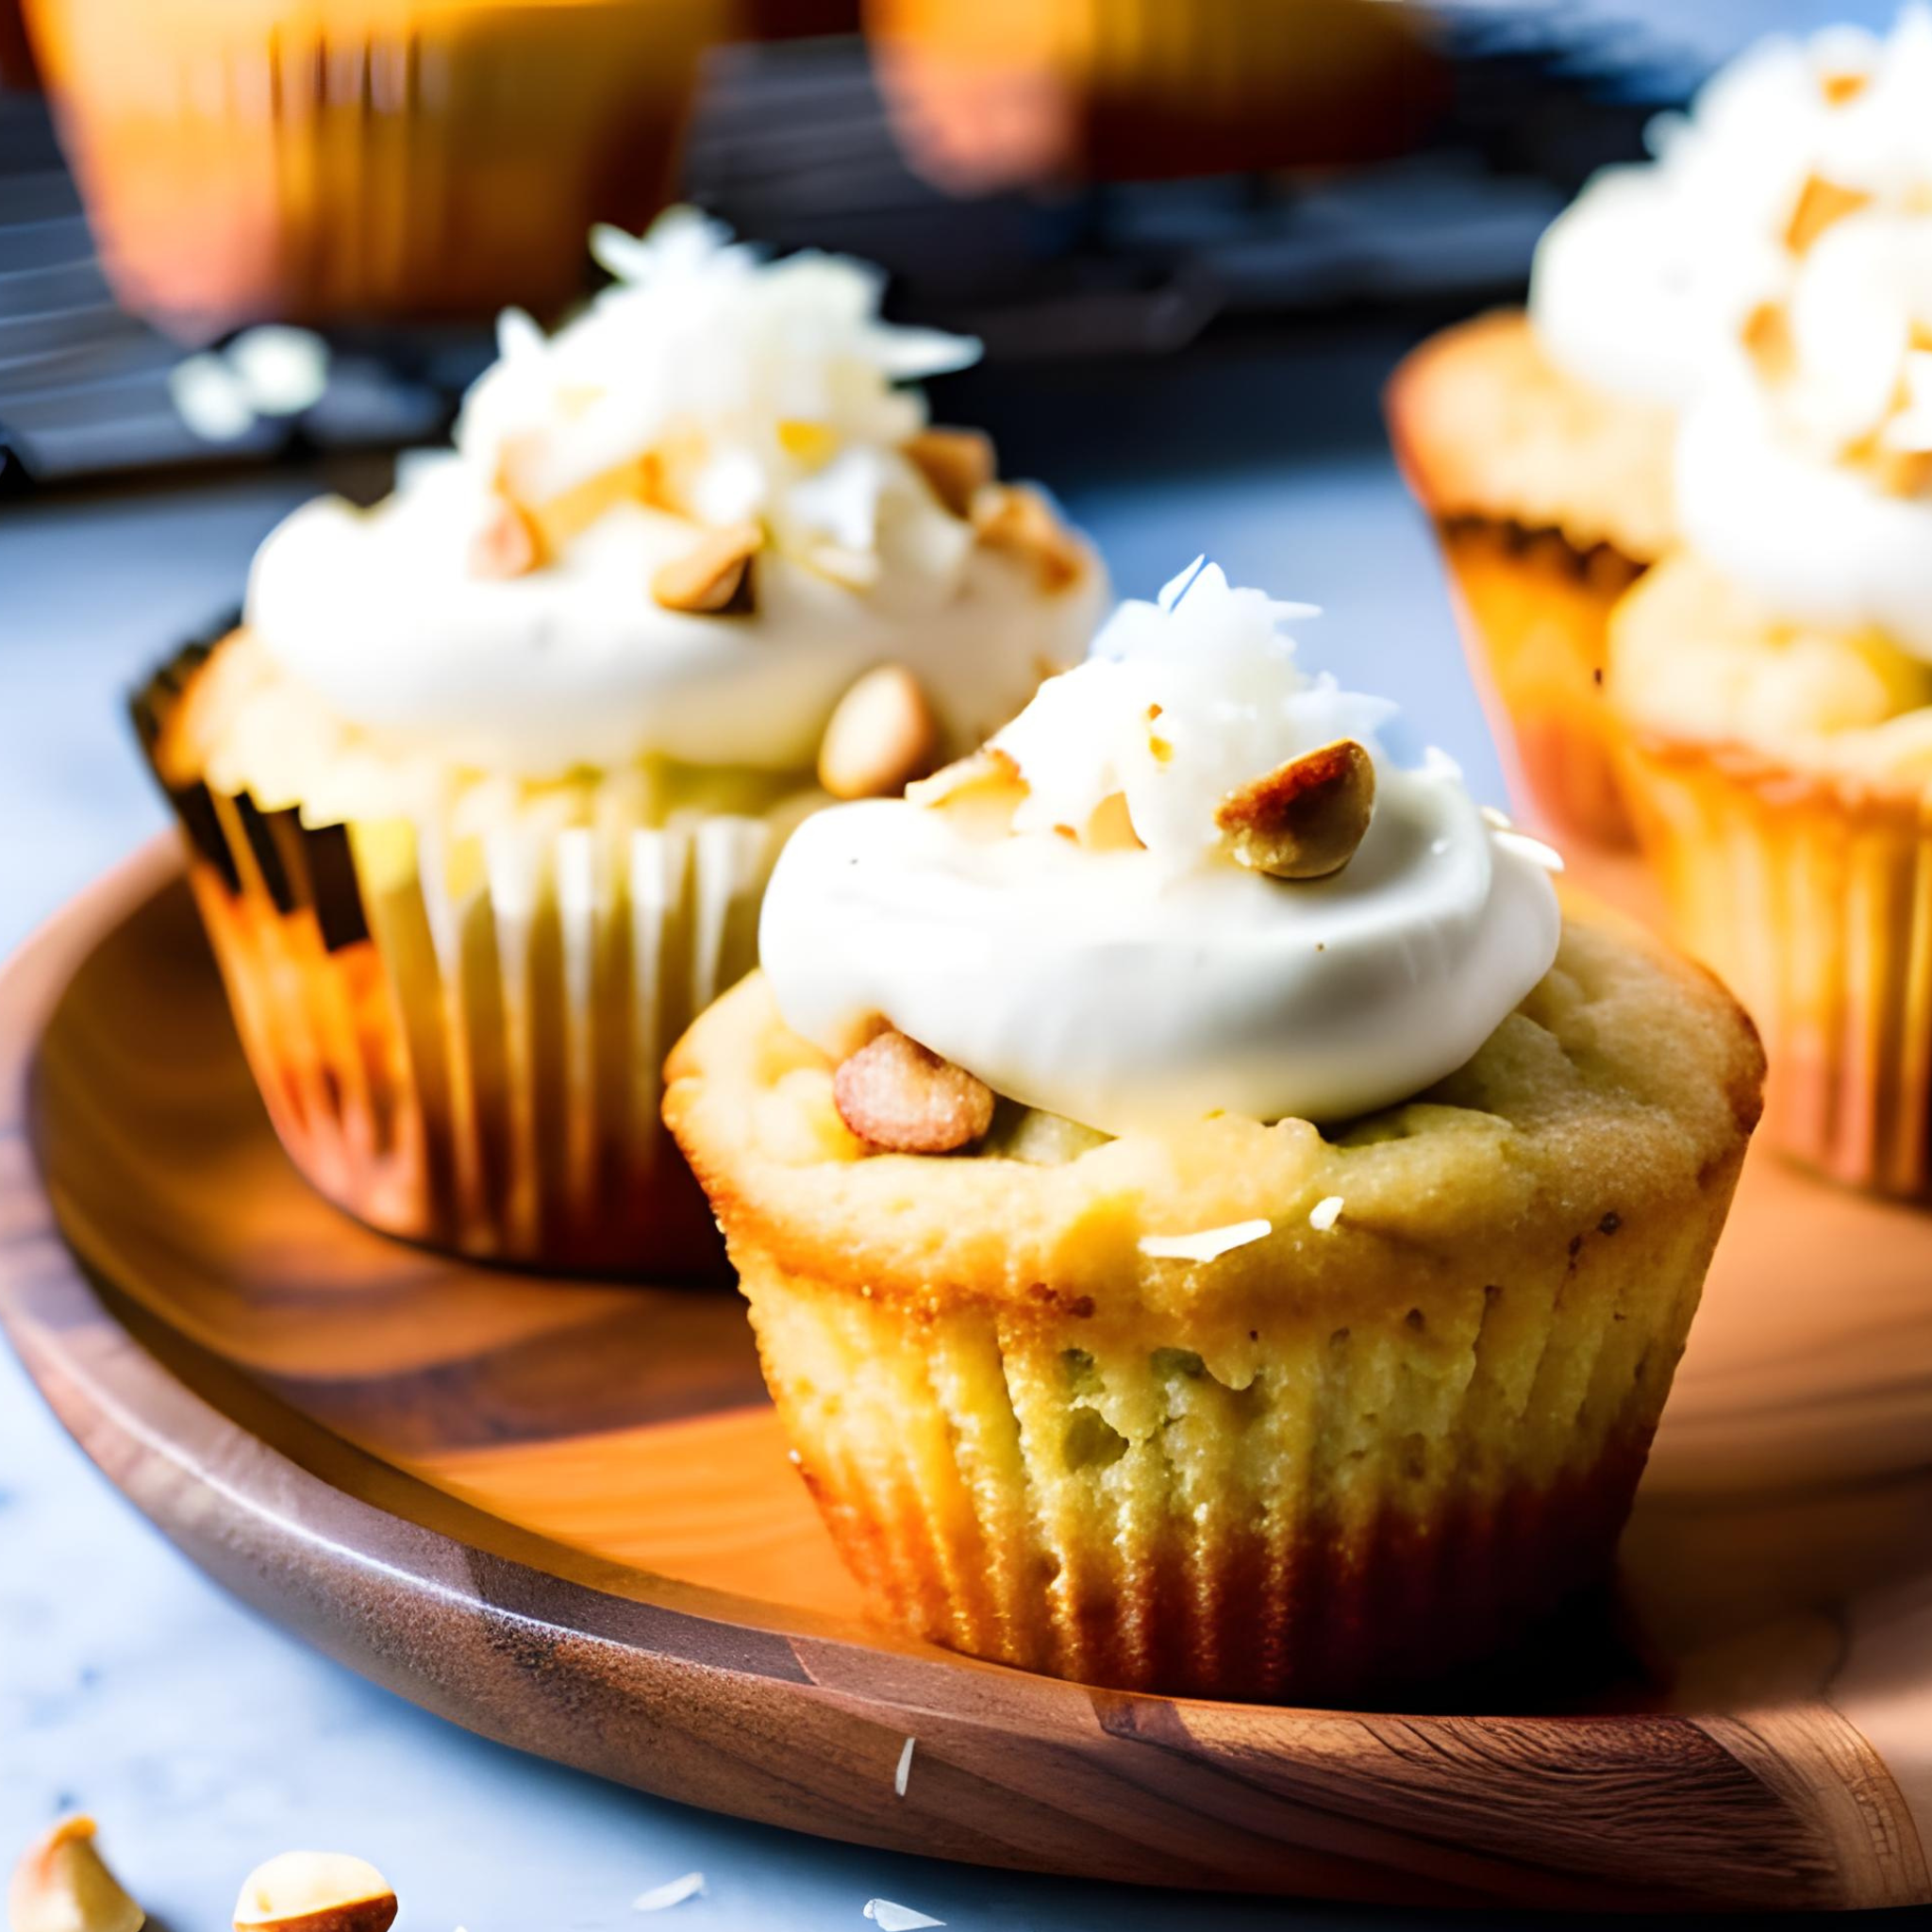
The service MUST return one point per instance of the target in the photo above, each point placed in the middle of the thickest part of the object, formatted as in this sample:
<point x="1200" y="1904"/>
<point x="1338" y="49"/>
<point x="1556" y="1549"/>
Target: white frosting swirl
<point x="1640" y="283"/>
<point x="1138" y="986"/>
<point x="756" y="390"/>
<point x="1804" y="473"/>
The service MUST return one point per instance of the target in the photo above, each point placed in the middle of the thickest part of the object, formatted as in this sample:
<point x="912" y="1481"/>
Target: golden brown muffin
<point x="1778" y="774"/>
<point x="1369" y="1443"/>
<point x="1549" y="497"/>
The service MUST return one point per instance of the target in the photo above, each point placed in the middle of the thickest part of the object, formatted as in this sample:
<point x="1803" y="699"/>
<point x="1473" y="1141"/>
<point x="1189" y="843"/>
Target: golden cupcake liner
<point x="1810" y="896"/>
<point x="297" y="161"/>
<point x="1370" y="1502"/>
<point x="1534" y="615"/>
<point x="459" y="1034"/>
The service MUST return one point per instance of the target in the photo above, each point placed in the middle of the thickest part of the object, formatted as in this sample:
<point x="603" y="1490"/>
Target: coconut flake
<point x="891" y="1918"/>
<point x="1326" y="1212"/>
<point x="674" y="1892"/>
<point x="1205" y="1243"/>
<point x="905" y="1769"/>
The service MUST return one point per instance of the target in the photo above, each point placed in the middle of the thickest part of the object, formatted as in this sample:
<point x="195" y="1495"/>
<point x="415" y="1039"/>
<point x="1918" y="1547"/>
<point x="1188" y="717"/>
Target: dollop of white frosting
<point x="1136" y="986"/>
<point x="757" y="390"/>
<point x="1804" y="473"/>
<point x="1640" y="283"/>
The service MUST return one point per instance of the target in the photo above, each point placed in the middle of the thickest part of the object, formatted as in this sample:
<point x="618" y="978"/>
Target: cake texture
<point x="1778" y="774"/>
<point x="1293" y="1317"/>
<point x="482" y="794"/>
<point x="1331" y="1460"/>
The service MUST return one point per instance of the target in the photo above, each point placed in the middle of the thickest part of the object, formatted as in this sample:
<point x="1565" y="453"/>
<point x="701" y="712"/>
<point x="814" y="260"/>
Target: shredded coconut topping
<point x="1206" y="1244"/>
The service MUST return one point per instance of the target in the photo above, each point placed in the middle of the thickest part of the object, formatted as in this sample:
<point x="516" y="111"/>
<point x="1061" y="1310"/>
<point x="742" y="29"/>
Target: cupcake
<point x="1213" y="1223"/>
<point x="1774" y="682"/>
<point x="366" y="158"/>
<point x="483" y="792"/>
<point x="1541" y="442"/>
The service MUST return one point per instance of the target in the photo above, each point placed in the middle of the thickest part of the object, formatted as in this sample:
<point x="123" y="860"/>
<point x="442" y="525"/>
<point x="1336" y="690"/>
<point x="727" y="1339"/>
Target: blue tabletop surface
<point x="205" y="1739"/>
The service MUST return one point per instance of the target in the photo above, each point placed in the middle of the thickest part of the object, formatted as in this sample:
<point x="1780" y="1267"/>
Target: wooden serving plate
<point x="559" y="1513"/>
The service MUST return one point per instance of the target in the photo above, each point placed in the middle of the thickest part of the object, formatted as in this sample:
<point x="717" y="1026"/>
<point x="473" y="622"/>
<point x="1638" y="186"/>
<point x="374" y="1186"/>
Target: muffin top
<point x="1118" y="984"/>
<point x="1638" y="284"/>
<point x="680" y="526"/>
<point x="1486" y="426"/>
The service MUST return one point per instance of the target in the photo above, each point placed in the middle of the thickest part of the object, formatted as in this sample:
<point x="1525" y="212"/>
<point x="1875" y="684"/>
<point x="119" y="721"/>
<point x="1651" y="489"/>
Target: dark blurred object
<point x="790" y="143"/>
<point x="17" y="69"/>
<point x="796" y="20"/>
<point x="430" y="158"/>
<point x="1000" y="94"/>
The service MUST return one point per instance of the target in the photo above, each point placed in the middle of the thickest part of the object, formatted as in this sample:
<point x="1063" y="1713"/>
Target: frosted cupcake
<point x="1542" y="441"/>
<point x="1212" y="1222"/>
<point x="483" y="794"/>
<point x="1775" y="680"/>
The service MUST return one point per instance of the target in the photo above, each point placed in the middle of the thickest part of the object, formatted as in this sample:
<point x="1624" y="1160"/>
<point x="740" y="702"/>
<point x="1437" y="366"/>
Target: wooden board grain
<point x="559" y="1512"/>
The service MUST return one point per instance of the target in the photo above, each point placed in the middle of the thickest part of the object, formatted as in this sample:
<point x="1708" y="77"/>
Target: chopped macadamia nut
<point x="898" y="1097"/>
<point x="1767" y="338"/>
<point x="1820" y="204"/>
<point x="881" y="734"/>
<point x="506" y="545"/>
<point x="713" y="576"/>
<point x="62" y="1884"/>
<point x="955" y="463"/>
<point x="1021" y="524"/>
<point x="988" y="772"/>
<point x="315" y="1892"/>
<point x="1305" y="819"/>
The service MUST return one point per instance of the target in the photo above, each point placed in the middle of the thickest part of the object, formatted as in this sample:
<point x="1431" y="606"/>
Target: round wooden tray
<point x="559" y="1513"/>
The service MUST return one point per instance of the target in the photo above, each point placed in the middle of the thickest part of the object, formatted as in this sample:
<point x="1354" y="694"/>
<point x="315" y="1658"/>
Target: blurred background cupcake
<point x="483" y="792"/>
<point x="1540" y="441"/>
<point x="992" y="93"/>
<point x="254" y="158"/>
<point x="1774" y="681"/>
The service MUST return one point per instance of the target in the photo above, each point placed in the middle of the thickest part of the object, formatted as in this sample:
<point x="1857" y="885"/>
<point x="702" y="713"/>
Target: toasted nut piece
<point x="1020" y="522"/>
<point x="1820" y="204"/>
<point x="61" y="1884"/>
<point x="955" y="463"/>
<point x="895" y="1095"/>
<point x="1305" y="819"/>
<point x="1110" y="827"/>
<point x="1767" y="338"/>
<point x="506" y="545"/>
<point x="1903" y="472"/>
<point x="714" y="577"/>
<point x="315" y="1892"/>
<point x="881" y="734"/>
<point x="982" y="774"/>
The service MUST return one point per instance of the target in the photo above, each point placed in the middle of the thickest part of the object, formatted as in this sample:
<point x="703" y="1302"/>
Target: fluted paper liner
<point x="1379" y="1499"/>
<point x="1533" y="614"/>
<point x="459" y="1035"/>
<point x="1812" y="897"/>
